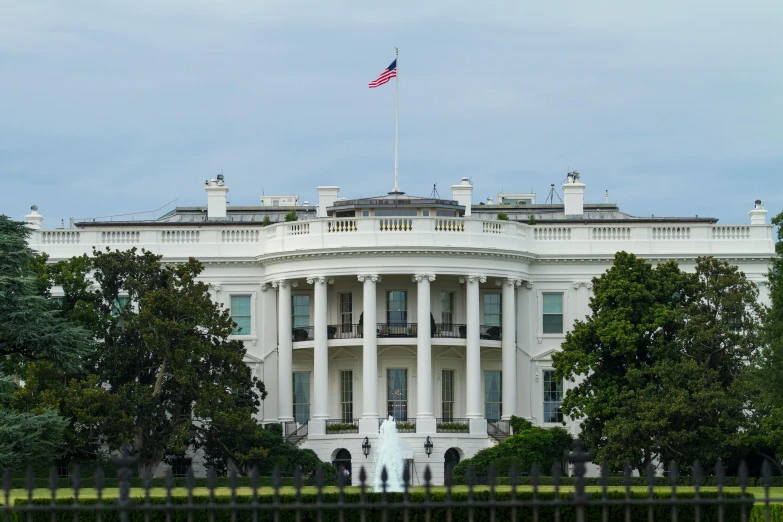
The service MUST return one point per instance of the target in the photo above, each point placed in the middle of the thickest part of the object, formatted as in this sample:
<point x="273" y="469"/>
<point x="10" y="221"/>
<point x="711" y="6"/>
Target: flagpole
<point x="396" y="115"/>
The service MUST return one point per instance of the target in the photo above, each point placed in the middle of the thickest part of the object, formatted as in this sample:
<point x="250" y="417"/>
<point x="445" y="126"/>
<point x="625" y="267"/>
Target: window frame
<point x="309" y="310"/>
<point x="499" y="313"/>
<point x="343" y="401"/>
<point x="544" y="373"/>
<point x="450" y="311"/>
<point x="405" y="311"/>
<point x="406" y="388"/>
<point x="499" y="402"/>
<point x="540" y="312"/>
<point x="342" y="312"/>
<point x="443" y="401"/>
<point x="309" y="403"/>
<point x="561" y="314"/>
<point x="252" y="333"/>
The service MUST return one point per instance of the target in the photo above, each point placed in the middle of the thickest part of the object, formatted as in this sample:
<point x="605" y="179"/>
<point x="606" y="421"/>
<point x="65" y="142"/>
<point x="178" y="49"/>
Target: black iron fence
<point x="398" y="329"/>
<point x="503" y="498"/>
<point x="344" y="331"/>
<point x="302" y="333"/>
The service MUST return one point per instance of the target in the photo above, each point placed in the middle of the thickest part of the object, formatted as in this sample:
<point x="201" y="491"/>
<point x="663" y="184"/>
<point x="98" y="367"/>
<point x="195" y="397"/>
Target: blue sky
<point x="121" y="106"/>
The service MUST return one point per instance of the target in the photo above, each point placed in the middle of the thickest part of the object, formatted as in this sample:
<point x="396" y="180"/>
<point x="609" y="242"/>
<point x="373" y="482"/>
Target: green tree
<point x="659" y="362"/>
<point x="165" y="355"/>
<point x="32" y="331"/>
<point x="768" y="376"/>
<point x="291" y="215"/>
<point x="502" y="216"/>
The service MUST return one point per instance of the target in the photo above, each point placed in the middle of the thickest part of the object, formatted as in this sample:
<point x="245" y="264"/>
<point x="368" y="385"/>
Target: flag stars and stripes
<point x="387" y="74"/>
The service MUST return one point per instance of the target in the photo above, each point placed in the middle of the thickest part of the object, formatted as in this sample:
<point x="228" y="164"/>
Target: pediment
<point x="546" y="356"/>
<point x="396" y="350"/>
<point x="451" y="353"/>
<point x="342" y="353"/>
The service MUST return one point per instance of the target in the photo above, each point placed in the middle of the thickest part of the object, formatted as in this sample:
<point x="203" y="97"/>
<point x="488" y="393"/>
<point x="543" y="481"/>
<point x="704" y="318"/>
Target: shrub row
<point x="480" y="513"/>
<point x="635" y="481"/>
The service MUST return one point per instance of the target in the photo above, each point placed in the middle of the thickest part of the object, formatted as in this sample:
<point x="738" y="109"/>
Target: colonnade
<point x="425" y="418"/>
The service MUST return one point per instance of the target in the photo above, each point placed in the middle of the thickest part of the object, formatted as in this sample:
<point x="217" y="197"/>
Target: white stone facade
<point x="485" y="283"/>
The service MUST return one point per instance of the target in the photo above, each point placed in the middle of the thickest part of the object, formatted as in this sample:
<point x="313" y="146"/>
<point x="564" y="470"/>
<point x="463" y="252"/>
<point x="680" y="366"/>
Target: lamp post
<point x="428" y="446"/>
<point x="366" y="447"/>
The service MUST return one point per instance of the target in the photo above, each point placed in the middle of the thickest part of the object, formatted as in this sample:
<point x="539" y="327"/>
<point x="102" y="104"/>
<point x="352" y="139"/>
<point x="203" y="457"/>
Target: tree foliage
<point x="166" y="358"/>
<point x="533" y="444"/>
<point x="658" y="366"/>
<point x="32" y="331"/>
<point x="769" y="373"/>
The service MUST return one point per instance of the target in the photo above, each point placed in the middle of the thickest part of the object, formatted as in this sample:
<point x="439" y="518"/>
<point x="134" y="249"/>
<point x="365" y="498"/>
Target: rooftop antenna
<point x="434" y="194"/>
<point x="552" y="193"/>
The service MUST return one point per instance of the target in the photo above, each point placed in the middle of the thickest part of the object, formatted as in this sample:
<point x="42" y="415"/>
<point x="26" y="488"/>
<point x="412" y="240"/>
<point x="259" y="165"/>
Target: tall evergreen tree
<point x="32" y="330"/>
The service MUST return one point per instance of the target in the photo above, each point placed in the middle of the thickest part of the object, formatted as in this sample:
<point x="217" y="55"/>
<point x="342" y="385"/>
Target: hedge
<point x="221" y="482"/>
<point x="758" y="513"/>
<point x="415" y="514"/>
<point x="615" y="481"/>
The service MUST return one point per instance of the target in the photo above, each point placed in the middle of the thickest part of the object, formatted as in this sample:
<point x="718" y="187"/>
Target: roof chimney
<point x="463" y="194"/>
<point x="326" y="198"/>
<point x="574" y="195"/>
<point x="758" y="216"/>
<point x="34" y="219"/>
<point x="216" y="197"/>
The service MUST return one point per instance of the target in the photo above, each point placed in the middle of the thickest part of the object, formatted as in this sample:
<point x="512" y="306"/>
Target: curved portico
<point x="399" y="316"/>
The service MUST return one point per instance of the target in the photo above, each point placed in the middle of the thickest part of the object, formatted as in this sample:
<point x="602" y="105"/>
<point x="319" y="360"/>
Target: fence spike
<point x="427" y="475"/>
<point x="30" y="480"/>
<point x="232" y="481"/>
<point x="650" y="477"/>
<point x="211" y="480"/>
<point x="99" y="482"/>
<point x="534" y="475"/>
<point x="319" y="478"/>
<point x="255" y="477"/>
<point x="298" y="478"/>
<point x="53" y="480"/>
<point x="720" y="475"/>
<point x="627" y="478"/>
<point x="406" y="475"/>
<point x="766" y="474"/>
<point x="696" y="475"/>
<point x="470" y="477"/>
<point x="513" y="475"/>
<point x="362" y="477"/>
<point x="168" y="480"/>
<point x="743" y="474"/>
<point x="384" y="478"/>
<point x="674" y="471"/>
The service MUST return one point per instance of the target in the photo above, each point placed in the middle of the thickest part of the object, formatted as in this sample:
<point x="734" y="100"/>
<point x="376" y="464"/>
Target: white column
<point x="509" y="347"/>
<point x="473" y="354"/>
<point x="320" y="357"/>
<point x="285" y="385"/>
<point x="425" y="420"/>
<point x="368" y="424"/>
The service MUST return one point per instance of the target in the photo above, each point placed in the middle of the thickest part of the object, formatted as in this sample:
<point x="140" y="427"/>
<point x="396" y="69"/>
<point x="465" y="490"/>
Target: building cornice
<point x="272" y="259"/>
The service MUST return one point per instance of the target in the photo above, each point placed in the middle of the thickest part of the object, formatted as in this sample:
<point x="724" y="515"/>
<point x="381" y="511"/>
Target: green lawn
<point x="758" y="492"/>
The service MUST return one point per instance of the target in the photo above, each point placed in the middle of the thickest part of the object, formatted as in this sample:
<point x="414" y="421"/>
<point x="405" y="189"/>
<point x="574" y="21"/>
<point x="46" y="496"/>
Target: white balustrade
<point x="298" y="229"/>
<point x="120" y="237"/>
<point x="493" y="227"/>
<point x="179" y="236"/>
<point x="730" y="232"/>
<point x="340" y="225"/>
<point x="240" y="235"/>
<point x="611" y="233"/>
<point x="551" y="233"/>
<point x="395" y="224"/>
<point x="60" y="237"/>
<point x="671" y="233"/>
<point x="449" y="225"/>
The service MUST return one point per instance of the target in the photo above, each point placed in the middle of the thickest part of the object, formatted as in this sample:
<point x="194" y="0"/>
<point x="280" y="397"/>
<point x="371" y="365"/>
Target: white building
<point x="429" y="310"/>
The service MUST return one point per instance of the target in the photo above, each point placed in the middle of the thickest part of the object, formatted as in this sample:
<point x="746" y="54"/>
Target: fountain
<point x="388" y="455"/>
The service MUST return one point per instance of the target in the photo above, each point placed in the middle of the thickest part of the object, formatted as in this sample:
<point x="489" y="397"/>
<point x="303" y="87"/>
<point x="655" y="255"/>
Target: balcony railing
<point x="452" y="425"/>
<point x="302" y="333"/>
<point x="335" y="426"/>
<point x="403" y="425"/>
<point x="397" y="329"/>
<point x="492" y="333"/>
<point x="344" y="331"/>
<point x="450" y="331"/>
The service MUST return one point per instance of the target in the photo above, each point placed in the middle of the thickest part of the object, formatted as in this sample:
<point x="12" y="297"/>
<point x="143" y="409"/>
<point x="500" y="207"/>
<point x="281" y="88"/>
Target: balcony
<point x="397" y="329"/>
<point x="302" y="333"/>
<point x="338" y="426"/>
<point x="403" y="426"/>
<point x="452" y="425"/>
<point x="450" y="331"/>
<point x="491" y="333"/>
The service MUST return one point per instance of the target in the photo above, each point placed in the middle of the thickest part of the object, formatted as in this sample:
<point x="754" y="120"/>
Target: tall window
<point x="346" y="395"/>
<point x="492" y="310"/>
<point x="300" y="311"/>
<point x="553" y="397"/>
<point x="58" y="300"/>
<point x="301" y="397"/>
<point x="447" y="395"/>
<point x="346" y="311"/>
<point x="447" y="309"/>
<point x="553" y="313"/>
<point x="493" y="395"/>
<point x="119" y="305"/>
<point x="397" y="394"/>
<point x="240" y="313"/>
<point x="397" y="307"/>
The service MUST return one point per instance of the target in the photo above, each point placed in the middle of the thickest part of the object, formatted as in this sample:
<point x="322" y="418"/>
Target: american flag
<point x="387" y="74"/>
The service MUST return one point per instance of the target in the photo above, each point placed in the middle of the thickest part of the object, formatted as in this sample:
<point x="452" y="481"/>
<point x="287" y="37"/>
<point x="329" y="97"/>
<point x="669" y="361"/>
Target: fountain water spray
<point x="389" y="455"/>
